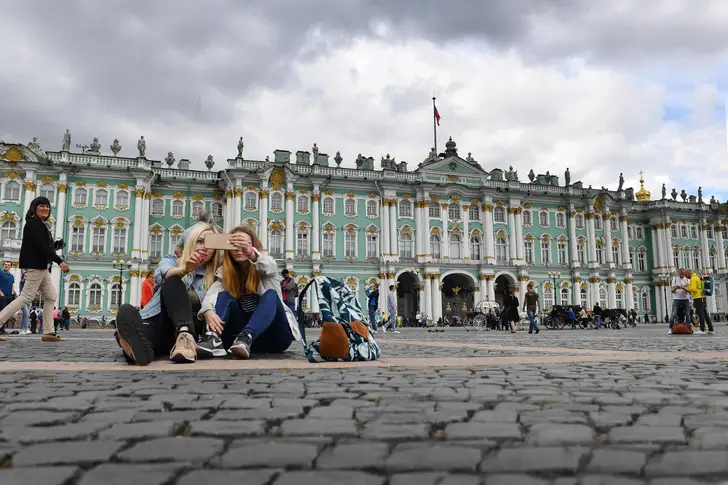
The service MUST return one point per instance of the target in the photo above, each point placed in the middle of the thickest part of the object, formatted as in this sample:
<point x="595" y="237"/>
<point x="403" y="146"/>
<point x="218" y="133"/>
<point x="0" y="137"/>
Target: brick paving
<point x="597" y="418"/>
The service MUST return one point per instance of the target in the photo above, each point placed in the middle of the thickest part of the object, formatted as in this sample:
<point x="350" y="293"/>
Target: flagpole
<point x="434" y="123"/>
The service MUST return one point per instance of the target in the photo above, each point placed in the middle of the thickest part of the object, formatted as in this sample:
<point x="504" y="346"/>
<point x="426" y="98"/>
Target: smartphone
<point x="218" y="241"/>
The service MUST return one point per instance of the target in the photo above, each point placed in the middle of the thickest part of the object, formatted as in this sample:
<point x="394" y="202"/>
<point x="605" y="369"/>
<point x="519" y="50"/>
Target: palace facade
<point x="448" y="233"/>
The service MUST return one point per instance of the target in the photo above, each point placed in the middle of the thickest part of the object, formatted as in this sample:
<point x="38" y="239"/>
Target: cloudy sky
<point x="601" y="87"/>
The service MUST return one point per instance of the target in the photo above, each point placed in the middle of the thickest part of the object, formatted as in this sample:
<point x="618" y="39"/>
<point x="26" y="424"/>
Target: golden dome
<point x="642" y="194"/>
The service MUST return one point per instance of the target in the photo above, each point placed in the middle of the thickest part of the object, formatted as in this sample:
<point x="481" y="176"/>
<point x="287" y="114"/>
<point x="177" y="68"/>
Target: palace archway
<point x="458" y="295"/>
<point x="407" y="295"/>
<point x="503" y="284"/>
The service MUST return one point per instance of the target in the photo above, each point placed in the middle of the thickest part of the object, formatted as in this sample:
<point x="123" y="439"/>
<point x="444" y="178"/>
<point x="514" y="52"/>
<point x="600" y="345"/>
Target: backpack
<point x="344" y="336"/>
<point x="707" y="285"/>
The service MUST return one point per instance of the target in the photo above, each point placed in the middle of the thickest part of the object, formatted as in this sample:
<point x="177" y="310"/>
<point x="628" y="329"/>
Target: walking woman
<point x="166" y="324"/>
<point x="243" y="309"/>
<point x="510" y="312"/>
<point x="37" y="255"/>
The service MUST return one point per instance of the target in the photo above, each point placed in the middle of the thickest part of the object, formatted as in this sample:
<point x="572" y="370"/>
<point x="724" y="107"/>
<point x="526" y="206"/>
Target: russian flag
<point x="437" y="115"/>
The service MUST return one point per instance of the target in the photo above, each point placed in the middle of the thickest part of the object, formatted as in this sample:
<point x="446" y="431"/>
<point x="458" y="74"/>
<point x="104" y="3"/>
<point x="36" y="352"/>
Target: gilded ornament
<point x="62" y="188"/>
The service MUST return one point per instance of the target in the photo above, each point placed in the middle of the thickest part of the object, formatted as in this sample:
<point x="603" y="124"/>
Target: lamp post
<point x="664" y="279"/>
<point x="554" y="276"/>
<point x="122" y="266"/>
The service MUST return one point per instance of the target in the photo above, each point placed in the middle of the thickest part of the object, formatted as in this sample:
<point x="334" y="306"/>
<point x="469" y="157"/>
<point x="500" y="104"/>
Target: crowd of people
<point x="688" y="287"/>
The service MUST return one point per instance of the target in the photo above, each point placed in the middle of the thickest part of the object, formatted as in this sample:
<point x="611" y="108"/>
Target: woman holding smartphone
<point x="244" y="310"/>
<point x="37" y="255"/>
<point x="166" y="324"/>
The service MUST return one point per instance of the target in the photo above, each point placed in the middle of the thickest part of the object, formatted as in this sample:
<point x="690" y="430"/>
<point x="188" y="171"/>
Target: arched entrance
<point x="407" y="295"/>
<point x="503" y="284"/>
<point x="458" y="295"/>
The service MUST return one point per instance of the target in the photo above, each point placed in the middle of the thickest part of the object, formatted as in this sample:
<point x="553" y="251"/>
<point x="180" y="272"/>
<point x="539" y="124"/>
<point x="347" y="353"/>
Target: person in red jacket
<point x="147" y="289"/>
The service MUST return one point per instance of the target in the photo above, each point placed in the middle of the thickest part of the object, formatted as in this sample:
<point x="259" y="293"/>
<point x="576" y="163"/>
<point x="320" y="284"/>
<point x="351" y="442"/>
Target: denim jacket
<point x="194" y="281"/>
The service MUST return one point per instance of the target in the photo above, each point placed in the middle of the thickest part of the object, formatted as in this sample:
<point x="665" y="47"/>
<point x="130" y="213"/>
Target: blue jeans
<point x="26" y="317"/>
<point x="268" y="324"/>
<point x="677" y="306"/>
<point x="373" y="317"/>
<point x="531" y="312"/>
<point x="597" y="321"/>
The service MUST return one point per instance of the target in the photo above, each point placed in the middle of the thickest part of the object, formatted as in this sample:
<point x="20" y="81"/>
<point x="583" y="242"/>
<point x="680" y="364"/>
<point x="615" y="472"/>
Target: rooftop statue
<point x="209" y="163"/>
<point x="621" y="182"/>
<point x="34" y="145"/>
<point x="241" y="145"/>
<point x="673" y="194"/>
<point x="315" y="151"/>
<point x="700" y="195"/>
<point x="142" y="147"/>
<point x="169" y="159"/>
<point x="683" y="195"/>
<point x="664" y="192"/>
<point x="432" y="155"/>
<point x="66" y="141"/>
<point x="531" y="176"/>
<point x="567" y="177"/>
<point x="338" y="159"/>
<point x="95" y="146"/>
<point x="115" y="147"/>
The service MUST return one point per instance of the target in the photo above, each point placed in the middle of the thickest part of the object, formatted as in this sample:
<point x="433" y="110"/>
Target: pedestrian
<point x="597" y="312"/>
<point x="167" y="325"/>
<point x="66" y="318"/>
<point x="25" y="325"/>
<point x="696" y="292"/>
<point x="572" y="318"/>
<point x="372" y="294"/>
<point x="33" y="320"/>
<point x="510" y="313"/>
<point x="7" y="285"/>
<point x="56" y="319"/>
<point x="289" y="290"/>
<point x="680" y="299"/>
<point x="243" y="309"/>
<point x="391" y="311"/>
<point x="37" y="255"/>
<point x="532" y="307"/>
<point x="147" y="289"/>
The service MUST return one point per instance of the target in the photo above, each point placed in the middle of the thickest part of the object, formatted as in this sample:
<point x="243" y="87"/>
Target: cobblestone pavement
<point x="602" y="422"/>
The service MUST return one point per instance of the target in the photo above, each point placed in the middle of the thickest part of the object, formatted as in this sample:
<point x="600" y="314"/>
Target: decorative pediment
<point x="454" y="166"/>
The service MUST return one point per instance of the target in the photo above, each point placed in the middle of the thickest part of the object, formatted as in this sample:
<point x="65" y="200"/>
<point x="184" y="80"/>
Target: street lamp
<point x="553" y="276"/>
<point x="121" y="265"/>
<point x="664" y="279"/>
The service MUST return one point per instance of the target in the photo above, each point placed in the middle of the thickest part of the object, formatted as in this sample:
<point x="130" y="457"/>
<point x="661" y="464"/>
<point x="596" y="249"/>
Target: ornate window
<point x="101" y="198"/>
<point x="545" y="251"/>
<point x="603" y="301"/>
<point x="543" y="218"/>
<point x="73" y="295"/>
<point x="684" y="231"/>
<point x="372" y="245"/>
<point x="499" y="215"/>
<point x="635" y="301"/>
<point x="12" y="191"/>
<point x="122" y="198"/>
<point x="435" y="246"/>
<point x="115" y="293"/>
<point x="405" y="208"/>
<point x="80" y="196"/>
<point x="581" y="250"/>
<point x="673" y="231"/>
<point x="713" y="262"/>
<point x="250" y="201"/>
<point x="328" y="206"/>
<point x="501" y="249"/>
<point x="49" y="192"/>
<point x="455" y="246"/>
<point x="641" y="260"/>
<point x="217" y="210"/>
<point x="630" y="232"/>
<point x="475" y="248"/>
<point x="561" y="252"/>
<point x="600" y="252"/>
<point x="616" y="253"/>
<point x="676" y="256"/>
<point x="119" y="240"/>
<point x="302" y="204"/>
<point x="276" y="243"/>
<point x="640" y="233"/>
<point x="560" y="220"/>
<point x="157" y="207"/>
<point x="474" y="212"/>
<point x="693" y="232"/>
<point x="548" y="298"/>
<point x="175" y="233"/>
<point x="619" y="298"/>
<point x="95" y="293"/>
<point x="613" y="223"/>
<point x="583" y="298"/>
<point x="78" y="238"/>
<point x="276" y="202"/>
<point x="155" y="243"/>
<point x="434" y="210"/>
<point x="350" y="207"/>
<point x="709" y="232"/>
<point x="197" y="206"/>
<point x="453" y="211"/>
<point x="579" y="221"/>
<point x="98" y="238"/>
<point x="527" y="218"/>
<point x="178" y="209"/>
<point x="372" y="208"/>
<point x="405" y="244"/>
<point x="350" y="243"/>
<point x="645" y="301"/>
<point x="564" y="296"/>
<point x="328" y="244"/>
<point x="528" y="251"/>
<point x="697" y="263"/>
<point x="302" y="240"/>
<point x="9" y="231"/>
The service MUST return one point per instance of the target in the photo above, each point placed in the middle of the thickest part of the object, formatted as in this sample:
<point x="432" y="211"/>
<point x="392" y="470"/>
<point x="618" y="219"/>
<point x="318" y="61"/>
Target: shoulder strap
<point x="300" y="315"/>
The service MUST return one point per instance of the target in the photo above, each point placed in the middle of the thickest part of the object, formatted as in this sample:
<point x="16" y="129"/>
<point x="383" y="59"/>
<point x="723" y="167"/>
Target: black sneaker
<point x="241" y="347"/>
<point x="137" y="349"/>
<point x="210" y="346"/>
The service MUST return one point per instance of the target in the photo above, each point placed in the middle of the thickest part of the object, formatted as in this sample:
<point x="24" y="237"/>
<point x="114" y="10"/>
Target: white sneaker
<point x="395" y="331"/>
<point x="700" y="332"/>
<point x="669" y="332"/>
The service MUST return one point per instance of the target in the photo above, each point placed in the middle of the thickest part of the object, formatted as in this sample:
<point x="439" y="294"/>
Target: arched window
<point x="217" y="210"/>
<point x="434" y="210"/>
<point x="101" y="197"/>
<point x="197" y="207"/>
<point x="548" y="298"/>
<point x="98" y="238"/>
<point x="276" y="244"/>
<point x="302" y="242"/>
<point x="475" y="248"/>
<point x="641" y="260"/>
<point x="561" y="252"/>
<point x="48" y="191"/>
<point x="350" y="244"/>
<point x="630" y="232"/>
<point x="455" y="246"/>
<point x="328" y="244"/>
<point x="119" y="242"/>
<point x="564" y="296"/>
<point x="178" y="208"/>
<point x="501" y="250"/>
<point x="79" y="196"/>
<point x="697" y="263"/>
<point x="673" y="231"/>
<point x="435" y="246"/>
<point x="598" y="222"/>
<point x="639" y="233"/>
<point x="405" y="245"/>
<point x="372" y="208"/>
<point x="684" y="231"/>
<point x="122" y="198"/>
<point x="693" y="232"/>
<point x="12" y="191"/>
<point x="405" y="208"/>
<point x="155" y="245"/>
<point x="453" y="211"/>
<point x="94" y="296"/>
<point x="676" y="256"/>
<point x="115" y="291"/>
<point x="499" y="215"/>
<point x="709" y="232"/>
<point x="276" y="201"/>
<point x="645" y="302"/>
<point x="78" y="239"/>
<point x="302" y="204"/>
<point x="581" y="251"/>
<point x="73" y="295"/>
<point x="328" y="206"/>
<point x="158" y="207"/>
<point x="526" y="216"/>
<point x="579" y="221"/>
<point x="560" y="220"/>
<point x="613" y="223"/>
<point x="372" y="245"/>
<point x="635" y="301"/>
<point x="583" y="298"/>
<point x="528" y="250"/>
<point x="600" y="252"/>
<point x="350" y="207"/>
<point x="713" y="262"/>
<point x="616" y="253"/>
<point x="250" y="201"/>
<point x="546" y="251"/>
<point x="603" y="302"/>
<point x="9" y="231"/>
<point x="620" y="299"/>
<point x="543" y="218"/>
<point x="474" y="212"/>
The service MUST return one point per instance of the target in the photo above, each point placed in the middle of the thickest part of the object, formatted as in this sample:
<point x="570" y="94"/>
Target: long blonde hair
<point x="242" y="278"/>
<point x="189" y="248"/>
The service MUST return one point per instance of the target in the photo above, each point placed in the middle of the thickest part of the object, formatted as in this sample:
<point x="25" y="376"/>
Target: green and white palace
<point x="447" y="232"/>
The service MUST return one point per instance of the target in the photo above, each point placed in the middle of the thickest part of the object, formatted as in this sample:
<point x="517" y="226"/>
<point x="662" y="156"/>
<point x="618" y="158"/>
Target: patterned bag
<point x="344" y="338"/>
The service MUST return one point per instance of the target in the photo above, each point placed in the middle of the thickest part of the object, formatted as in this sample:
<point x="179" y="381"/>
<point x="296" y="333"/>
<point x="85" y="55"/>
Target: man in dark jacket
<point x="372" y="293"/>
<point x="289" y="290"/>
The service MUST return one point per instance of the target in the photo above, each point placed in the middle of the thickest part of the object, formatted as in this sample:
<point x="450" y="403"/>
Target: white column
<point x="491" y="287"/>
<point x="625" y="239"/>
<point x="488" y="233"/>
<point x="263" y="216"/>
<point x="290" y="214"/>
<point x="659" y="302"/>
<point x="656" y="259"/>
<point x="419" y="230"/>
<point x="437" y="297"/>
<point x="512" y="235"/>
<point x="230" y="218"/>
<point x="316" y="250"/>
<point x="393" y="227"/>
<point x="30" y="188"/>
<point x="483" y="287"/>
<point x="466" y="232"/>
<point x="59" y="227"/>
<point x="520" y="250"/>
<point x="237" y="205"/>
<point x="426" y="228"/>
<point x="522" y="284"/>
<point x="606" y="224"/>
<point x="612" y="290"/>
<point x="572" y="238"/>
<point x="145" y="224"/>
<point x="591" y="239"/>
<point x="445" y="231"/>
<point x="704" y="251"/>
<point x="629" y="292"/>
<point x="428" y="296"/>
<point x="386" y="250"/>
<point x="576" y="291"/>
<point x="668" y="248"/>
<point x="719" y="246"/>
<point x="421" y="298"/>
<point x="383" y="291"/>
